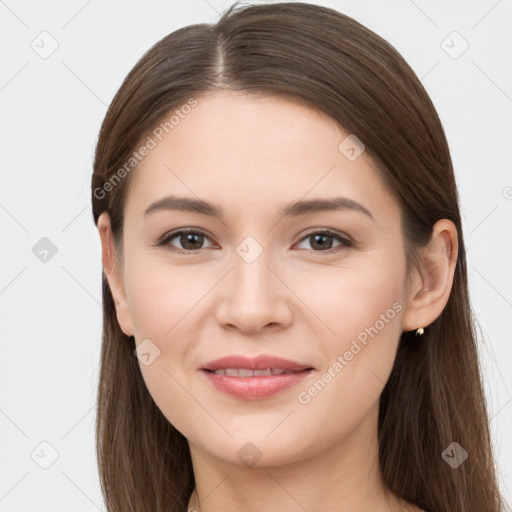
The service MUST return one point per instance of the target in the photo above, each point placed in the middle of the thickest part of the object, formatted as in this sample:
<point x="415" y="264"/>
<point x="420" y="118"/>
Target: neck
<point x="345" y="476"/>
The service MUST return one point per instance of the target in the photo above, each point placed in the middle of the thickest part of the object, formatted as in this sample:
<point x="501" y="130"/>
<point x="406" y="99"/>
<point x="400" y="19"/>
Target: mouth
<point x="254" y="378"/>
<point x="234" y="364"/>
<point x="245" y="372"/>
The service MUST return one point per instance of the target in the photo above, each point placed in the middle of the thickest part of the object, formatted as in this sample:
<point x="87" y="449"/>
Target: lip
<point x="261" y="362"/>
<point x="256" y="387"/>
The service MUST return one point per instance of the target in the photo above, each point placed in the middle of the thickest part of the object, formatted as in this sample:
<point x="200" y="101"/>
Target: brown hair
<point x="434" y="395"/>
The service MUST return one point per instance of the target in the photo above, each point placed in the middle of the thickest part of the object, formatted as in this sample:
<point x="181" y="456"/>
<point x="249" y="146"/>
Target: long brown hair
<point x="434" y="395"/>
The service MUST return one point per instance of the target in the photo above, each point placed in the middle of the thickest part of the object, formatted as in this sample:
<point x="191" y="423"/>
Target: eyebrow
<point x="295" y="209"/>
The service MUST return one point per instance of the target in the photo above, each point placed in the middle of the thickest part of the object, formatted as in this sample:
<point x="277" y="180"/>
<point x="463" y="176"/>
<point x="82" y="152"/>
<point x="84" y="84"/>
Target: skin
<point x="251" y="155"/>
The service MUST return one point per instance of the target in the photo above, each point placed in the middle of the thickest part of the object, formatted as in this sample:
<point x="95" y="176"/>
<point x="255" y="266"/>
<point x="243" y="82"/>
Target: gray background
<point x="51" y="108"/>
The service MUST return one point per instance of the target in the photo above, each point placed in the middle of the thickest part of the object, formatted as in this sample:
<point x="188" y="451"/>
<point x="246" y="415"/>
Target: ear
<point x="431" y="284"/>
<point x="112" y="269"/>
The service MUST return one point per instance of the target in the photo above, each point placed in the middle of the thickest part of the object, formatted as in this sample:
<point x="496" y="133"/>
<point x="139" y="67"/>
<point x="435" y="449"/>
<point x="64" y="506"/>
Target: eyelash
<point x="345" y="242"/>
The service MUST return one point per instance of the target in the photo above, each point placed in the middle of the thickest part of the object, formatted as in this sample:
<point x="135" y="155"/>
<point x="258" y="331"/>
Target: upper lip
<point x="261" y="362"/>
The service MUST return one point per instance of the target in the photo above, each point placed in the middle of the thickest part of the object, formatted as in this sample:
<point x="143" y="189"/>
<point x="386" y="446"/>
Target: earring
<point x="420" y="331"/>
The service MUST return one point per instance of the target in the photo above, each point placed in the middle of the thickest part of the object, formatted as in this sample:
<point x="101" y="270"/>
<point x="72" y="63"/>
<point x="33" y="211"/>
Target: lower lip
<point x="254" y="388"/>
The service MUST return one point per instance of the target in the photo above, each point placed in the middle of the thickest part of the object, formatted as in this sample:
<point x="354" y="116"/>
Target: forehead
<point x="254" y="149"/>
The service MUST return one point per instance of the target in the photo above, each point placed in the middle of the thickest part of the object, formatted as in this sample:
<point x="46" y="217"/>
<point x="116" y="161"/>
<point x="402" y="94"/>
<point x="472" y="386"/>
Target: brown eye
<point x="322" y="241"/>
<point x="188" y="241"/>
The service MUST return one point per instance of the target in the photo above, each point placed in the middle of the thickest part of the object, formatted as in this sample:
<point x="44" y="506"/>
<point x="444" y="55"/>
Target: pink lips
<point x="255" y="387"/>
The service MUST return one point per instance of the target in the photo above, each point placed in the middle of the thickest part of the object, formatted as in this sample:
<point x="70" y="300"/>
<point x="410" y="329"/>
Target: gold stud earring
<point x="420" y="331"/>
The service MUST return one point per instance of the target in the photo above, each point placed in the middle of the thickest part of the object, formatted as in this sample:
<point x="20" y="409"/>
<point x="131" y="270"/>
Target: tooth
<point x="246" y="372"/>
<point x="263" y="373"/>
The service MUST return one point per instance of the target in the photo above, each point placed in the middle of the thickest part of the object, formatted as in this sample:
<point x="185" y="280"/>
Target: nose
<point x="254" y="296"/>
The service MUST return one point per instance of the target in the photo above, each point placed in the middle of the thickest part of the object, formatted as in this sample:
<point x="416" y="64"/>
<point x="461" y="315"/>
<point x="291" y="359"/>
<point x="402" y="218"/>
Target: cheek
<point x="361" y="310"/>
<point x="161" y="296"/>
<point x="364" y="311"/>
<point x="355" y="300"/>
<point x="164" y="301"/>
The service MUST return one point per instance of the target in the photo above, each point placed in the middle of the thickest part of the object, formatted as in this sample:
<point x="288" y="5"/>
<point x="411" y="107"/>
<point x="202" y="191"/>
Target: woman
<point x="286" y="315"/>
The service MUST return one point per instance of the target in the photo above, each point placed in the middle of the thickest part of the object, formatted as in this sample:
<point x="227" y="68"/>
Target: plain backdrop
<point x="60" y="65"/>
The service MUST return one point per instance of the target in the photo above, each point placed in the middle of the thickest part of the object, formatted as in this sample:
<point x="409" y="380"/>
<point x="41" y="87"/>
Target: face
<point x="323" y="288"/>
